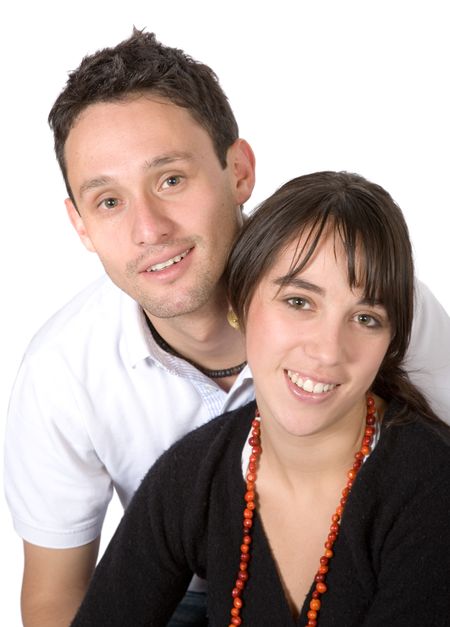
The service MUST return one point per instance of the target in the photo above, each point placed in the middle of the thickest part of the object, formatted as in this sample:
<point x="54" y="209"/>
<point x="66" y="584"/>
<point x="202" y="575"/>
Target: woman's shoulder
<point x="203" y="450"/>
<point x="414" y="446"/>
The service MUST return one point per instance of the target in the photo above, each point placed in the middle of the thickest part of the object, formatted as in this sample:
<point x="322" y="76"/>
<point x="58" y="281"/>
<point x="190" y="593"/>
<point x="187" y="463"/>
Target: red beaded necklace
<point x="250" y="504"/>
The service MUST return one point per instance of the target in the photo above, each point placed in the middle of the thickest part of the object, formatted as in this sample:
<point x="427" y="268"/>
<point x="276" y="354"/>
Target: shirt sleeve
<point x="56" y="487"/>
<point x="428" y="357"/>
<point x="144" y="572"/>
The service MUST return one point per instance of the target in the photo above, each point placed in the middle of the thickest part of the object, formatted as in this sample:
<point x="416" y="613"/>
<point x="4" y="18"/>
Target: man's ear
<point x="78" y="225"/>
<point x="241" y="161"/>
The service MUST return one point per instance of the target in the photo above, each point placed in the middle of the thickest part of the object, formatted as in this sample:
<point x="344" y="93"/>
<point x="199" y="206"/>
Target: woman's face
<point x="314" y="345"/>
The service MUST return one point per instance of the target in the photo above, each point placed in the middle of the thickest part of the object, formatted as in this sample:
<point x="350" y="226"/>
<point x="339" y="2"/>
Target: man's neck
<point x="204" y="337"/>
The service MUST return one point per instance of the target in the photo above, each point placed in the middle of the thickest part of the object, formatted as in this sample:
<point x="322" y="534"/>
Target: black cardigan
<point x="392" y="556"/>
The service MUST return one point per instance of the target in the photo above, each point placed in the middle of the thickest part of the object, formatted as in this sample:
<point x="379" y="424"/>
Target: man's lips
<point x="166" y="263"/>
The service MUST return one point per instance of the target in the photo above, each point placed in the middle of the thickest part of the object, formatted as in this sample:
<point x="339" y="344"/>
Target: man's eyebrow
<point x="159" y="161"/>
<point x="168" y="158"/>
<point x="99" y="181"/>
<point x="297" y="282"/>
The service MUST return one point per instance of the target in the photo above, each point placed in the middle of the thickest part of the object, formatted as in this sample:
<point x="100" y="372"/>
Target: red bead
<point x="236" y="620"/>
<point x="321" y="587"/>
<point x="243" y="576"/>
<point x="237" y="602"/>
<point x="312" y="614"/>
<point x="235" y="611"/>
<point x="248" y="513"/>
<point x="235" y="593"/>
<point x="324" y="560"/>
<point x="243" y="566"/>
<point x="248" y="523"/>
<point x="245" y="557"/>
<point x="315" y="604"/>
<point x="240" y="585"/>
<point x="315" y="594"/>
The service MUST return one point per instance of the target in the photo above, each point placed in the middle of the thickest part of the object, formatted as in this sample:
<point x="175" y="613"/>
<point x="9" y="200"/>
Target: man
<point x="156" y="176"/>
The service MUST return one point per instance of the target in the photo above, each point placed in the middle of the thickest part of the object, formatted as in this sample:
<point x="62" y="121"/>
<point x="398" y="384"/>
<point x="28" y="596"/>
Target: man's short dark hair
<point x="142" y="65"/>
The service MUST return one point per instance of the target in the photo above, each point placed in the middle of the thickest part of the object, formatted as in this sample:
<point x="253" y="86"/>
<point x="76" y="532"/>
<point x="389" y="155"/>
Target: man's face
<point x="154" y="202"/>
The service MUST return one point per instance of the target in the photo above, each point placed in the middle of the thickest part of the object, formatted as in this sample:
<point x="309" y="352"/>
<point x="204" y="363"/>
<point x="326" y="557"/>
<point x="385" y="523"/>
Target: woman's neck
<point x="296" y="462"/>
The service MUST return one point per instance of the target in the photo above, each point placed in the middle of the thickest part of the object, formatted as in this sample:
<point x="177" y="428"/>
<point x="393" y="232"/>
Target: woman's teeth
<point x="315" y="387"/>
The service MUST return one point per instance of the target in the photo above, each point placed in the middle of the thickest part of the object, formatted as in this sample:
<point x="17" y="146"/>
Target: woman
<point x="342" y="518"/>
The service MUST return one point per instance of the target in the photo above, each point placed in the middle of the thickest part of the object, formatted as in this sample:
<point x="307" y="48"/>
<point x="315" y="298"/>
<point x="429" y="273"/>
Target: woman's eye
<point x="367" y="321"/>
<point x="298" y="303"/>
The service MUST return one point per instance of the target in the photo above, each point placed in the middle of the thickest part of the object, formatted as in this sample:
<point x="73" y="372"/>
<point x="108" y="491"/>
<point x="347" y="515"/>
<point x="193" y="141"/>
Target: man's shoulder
<point x="95" y="310"/>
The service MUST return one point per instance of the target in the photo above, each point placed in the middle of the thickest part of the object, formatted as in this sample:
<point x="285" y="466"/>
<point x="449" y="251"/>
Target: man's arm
<point x="54" y="583"/>
<point x="428" y="357"/>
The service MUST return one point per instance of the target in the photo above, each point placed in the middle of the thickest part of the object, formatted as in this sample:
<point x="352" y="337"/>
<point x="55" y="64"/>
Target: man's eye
<point x="171" y="181"/>
<point x="110" y="203"/>
<point x="298" y="303"/>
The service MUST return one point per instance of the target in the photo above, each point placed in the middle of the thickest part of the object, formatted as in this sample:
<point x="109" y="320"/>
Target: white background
<point x="353" y="85"/>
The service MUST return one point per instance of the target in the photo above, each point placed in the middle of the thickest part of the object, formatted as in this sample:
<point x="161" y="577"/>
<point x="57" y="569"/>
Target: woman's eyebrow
<point x="297" y="282"/>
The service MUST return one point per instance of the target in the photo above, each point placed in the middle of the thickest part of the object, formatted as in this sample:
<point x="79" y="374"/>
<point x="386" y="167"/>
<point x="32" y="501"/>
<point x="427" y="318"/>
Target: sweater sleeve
<point x="413" y="583"/>
<point x="144" y="572"/>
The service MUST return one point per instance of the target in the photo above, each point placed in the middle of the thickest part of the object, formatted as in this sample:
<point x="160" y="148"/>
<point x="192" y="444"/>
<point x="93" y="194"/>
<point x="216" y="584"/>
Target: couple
<point x="156" y="179"/>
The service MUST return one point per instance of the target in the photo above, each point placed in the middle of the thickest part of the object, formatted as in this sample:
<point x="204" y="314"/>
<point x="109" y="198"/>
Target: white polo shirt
<point x="96" y="401"/>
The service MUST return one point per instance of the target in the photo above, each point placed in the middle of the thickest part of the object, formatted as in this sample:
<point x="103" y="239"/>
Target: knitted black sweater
<point x="392" y="556"/>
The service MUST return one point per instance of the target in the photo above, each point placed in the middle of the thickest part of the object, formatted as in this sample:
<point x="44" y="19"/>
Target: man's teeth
<point x="169" y="262"/>
<point x="308" y="385"/>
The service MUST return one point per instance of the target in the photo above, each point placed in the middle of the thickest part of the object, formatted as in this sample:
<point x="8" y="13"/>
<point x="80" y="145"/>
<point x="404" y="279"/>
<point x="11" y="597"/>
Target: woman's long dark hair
<point x="379" y="259"/>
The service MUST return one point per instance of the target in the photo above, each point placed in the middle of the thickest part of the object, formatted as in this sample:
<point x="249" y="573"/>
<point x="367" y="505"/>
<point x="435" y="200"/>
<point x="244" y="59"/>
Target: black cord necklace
<point x="212" y="374"/>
